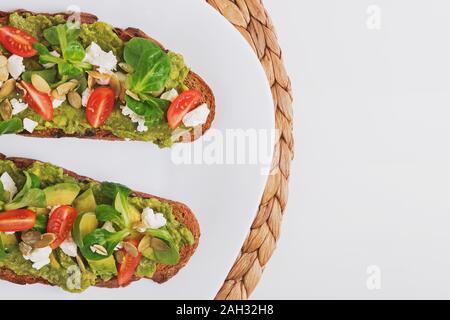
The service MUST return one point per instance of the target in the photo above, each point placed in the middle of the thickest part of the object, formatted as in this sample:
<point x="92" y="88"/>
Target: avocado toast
<point x="62" y="229"/>
<point x="95" y="81"/>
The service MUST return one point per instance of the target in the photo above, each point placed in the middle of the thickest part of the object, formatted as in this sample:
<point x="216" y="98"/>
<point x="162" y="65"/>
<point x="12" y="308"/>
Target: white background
<point x="371" y="178"/>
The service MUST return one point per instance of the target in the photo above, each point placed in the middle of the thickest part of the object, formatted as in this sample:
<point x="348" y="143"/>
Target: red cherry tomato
<point x="60" y="223"/>
<point x="100" y="105"/>
<point x="184" y="103"/>
<point x="128" y="266"/>
<point x="17" y="220"/>
<point x="38" y="101"/>
<point x="17" y="41"/>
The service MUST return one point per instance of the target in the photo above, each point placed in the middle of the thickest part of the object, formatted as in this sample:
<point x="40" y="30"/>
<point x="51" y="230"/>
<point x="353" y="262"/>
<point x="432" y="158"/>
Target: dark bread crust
<point x="163" y="272"/>
<point x="193" y="81"/>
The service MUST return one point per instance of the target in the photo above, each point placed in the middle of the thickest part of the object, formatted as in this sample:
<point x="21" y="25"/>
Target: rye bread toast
<point x="163" y="272"/>
<point x="193" y="81"/>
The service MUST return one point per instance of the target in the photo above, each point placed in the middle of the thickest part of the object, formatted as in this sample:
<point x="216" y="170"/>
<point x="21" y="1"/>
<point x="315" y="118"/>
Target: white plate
<point x="224" y="198"/>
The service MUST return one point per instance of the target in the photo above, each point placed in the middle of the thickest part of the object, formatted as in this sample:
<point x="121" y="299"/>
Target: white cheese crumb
<point x="170" y="95"/>
<point x="69" y="246"/>
<point x="85" y="97"/>
<point x="8" y="184"/>
<point x="51" y="65"/>
<point x="39" y="257"/>
<point x="18" y="106"/>
<point x="29" y="125"/>
<point x="153" y="220"/>
<point x="15" y="66"/>
<point x="197" y="117"/>
<point x="135" y="118"/>
<point x="57" y="103"/>
<point x="105" y="61"/>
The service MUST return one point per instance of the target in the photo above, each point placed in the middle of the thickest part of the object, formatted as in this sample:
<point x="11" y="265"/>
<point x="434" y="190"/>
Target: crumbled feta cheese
<point x="18" y="106"/>
<point x="57" y="103"/>
<point x="51" y="65"/>
<point x="108" y="226"/>
<point x="29" y="125"/>
<point x="8" y="184"/>
<point x="170" y="95"/>
<point x="69" y="246"/>
<point x="39" y="257"/>
<point x="197" y="116"/>
<point x="135" y="118"/>
<point x="15" y="66"/>
<point x="153" y="220"/>
<point x="105" y="61"/>
<point x="85" y="97"/>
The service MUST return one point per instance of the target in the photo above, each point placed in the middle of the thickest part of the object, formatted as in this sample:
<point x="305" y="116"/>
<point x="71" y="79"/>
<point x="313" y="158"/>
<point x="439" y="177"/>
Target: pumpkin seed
<point x="115" y="84"/>
<point x="57" y="96"/>
<point x="19" y="86"/>
<point x="4" y="73"/>
<point x="131" y="249"/>
<point x="159" y="245"/>
<point x="122" y="76"/>
<point x="139" y="226"/>
<point x="3" y="61"/>
<point x="5" y="110"/>
<point x="81" y="263"/>
<point x="91" y="82"/>
<point x="126" y="67"/>
<point x="119" y="256"/>
<point x="145" y="243"/>
<point x="25" y="249"/>
<point x="7" y="88"/>
<point x="74" y="99"/>
<point x="65" y="88"/>
<point x="123" y="93"/>
<point x="31" y="237"/>
<point x="102" y="79"/>
<point x="46" y="240"/>
<point x="101" y="250"/>
<point x="40" y="84"/>
<point x="133" y="95"/>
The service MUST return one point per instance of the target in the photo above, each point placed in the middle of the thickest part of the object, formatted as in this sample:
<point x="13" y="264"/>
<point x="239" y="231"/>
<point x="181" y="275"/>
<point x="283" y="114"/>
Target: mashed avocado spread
<point x="73" y="121"/>
<point x="77" y="273"/>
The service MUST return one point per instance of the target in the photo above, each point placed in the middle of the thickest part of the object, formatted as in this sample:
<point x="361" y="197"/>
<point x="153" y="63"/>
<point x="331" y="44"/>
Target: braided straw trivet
<point x="252" y="20"/>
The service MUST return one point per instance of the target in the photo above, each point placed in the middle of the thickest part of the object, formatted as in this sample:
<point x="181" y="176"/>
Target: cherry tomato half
<point x="60" y="223"/>
<point x="17" y="41"/>
<point x="184" y="103"/>
<point x="100" y="105"/>
<point x="38" y="101"/>
<point x="129" y="265"/>
<point x="17" y="220"/>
